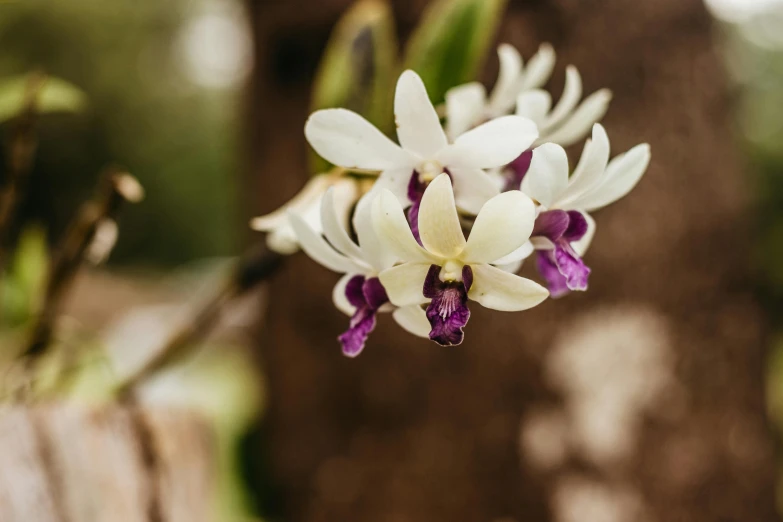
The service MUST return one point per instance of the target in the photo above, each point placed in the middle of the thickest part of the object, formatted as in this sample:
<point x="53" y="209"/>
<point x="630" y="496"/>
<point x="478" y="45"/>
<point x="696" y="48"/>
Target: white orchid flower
<point x="469" y="105"/>
<point x="346" y="139"/>
<point x="569" y="121"/>
<point x="307" y="204"/>
<point x="447" y="270"/>
<point x="359" y="293"/>
<point x="564" y="228"/>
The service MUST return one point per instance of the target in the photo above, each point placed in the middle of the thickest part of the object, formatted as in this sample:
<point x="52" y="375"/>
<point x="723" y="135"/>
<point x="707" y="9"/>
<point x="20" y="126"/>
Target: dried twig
<point x="254" y="268"/>
<point x="85" y="240"/>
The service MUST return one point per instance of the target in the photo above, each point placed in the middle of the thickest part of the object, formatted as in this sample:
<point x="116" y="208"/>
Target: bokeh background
<point x="655" y="396"/>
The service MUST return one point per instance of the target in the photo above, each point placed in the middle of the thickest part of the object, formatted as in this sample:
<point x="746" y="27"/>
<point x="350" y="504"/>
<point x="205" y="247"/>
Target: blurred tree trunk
<point x="639" y="400"/>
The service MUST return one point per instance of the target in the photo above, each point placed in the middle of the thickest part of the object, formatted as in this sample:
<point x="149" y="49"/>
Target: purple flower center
<point x="416" y="188"/>
<point x="448" y="311"/>
<point x="367" y="295"/>
<point x="516" y="170"/>
<point x="562" y="268"/>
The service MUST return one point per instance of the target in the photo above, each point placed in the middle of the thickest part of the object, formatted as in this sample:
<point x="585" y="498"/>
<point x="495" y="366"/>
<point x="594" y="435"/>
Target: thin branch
<point x="252" y="269"/>
<point x="78" y="245"/>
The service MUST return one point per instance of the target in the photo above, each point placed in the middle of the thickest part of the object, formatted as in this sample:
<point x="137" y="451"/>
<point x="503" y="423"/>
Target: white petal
<point x="514" y="257"/>
<point x="393" y="229"/>
<point x="493" y="144"/>
<point x="464" y="108"/>
<point x="338" y="295"/>
<point x="418" y="124"/>
<point x="439" y="226"/>
<point x="511" y="268"/>
<point x="506" y="88"/>
<point x="414" y="320"/>
<point x="473" y="188"/>
<point x="539" y="68"/>
<point x="534" y="105"/>
<point x="396" y="181"/>
<point x="404" y="284"/>
<point x="576" y="127"/>
<point x="283" y="240"/>
<point x="590" y="170"/>
<point x="310" y="193"/>
<point x="569" y="99"/>
<point x="583" y="244"/>
<point x="334" y="229"/>
<point x="502" y="226"/>
<point x="622" y="175"/>
<point x="374" y="252"/>
<point x="499" y="290"/>
<point x="547" y="178"/>
<point x="320" y="251"/>
<point x="344" y="138"/>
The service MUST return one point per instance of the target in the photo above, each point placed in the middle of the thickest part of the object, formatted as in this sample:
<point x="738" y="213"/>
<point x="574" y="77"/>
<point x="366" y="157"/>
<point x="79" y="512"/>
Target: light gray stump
<point x="79" y="464"/>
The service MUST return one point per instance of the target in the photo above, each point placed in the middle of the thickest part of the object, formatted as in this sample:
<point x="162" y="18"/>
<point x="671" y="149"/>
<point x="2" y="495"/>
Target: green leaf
<point x="359" y="66"/>
<point x="451" y="42"/>
<point x="24" y="284"/>
<point x="53" y="95"/>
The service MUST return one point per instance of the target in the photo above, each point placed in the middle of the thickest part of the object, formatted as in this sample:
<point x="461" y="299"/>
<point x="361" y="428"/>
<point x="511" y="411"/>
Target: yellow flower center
<point x="429" y="170"/>
<point x="452" y="271"/>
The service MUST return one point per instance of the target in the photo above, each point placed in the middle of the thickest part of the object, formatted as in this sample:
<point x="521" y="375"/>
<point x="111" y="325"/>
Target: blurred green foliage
<point x="451" y="42"/>
<point x="359" y="67"/>
<point x="55" y="95"/>
<point x="179" y="139"/>
<point x="361" y="63"/>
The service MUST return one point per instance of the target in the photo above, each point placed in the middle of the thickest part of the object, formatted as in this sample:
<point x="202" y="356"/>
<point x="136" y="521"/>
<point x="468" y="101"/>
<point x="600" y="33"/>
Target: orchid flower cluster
<point x="449" y="213"/>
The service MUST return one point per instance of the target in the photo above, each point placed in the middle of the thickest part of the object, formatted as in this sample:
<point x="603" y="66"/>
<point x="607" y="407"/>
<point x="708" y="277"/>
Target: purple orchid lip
<point x="448" y="312"/>
<point x="562" y="267"/>
<point x="367" y="295"/>
<point x="517" y="169"/>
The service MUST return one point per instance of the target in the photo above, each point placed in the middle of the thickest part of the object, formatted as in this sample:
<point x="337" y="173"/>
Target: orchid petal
<point x="507" y="87"/>
<point x="511" y="268"/>
<point x="393" y="230"/>
<point x="493" y="144"/>
<point x="338" y="296"/>
<point x="439" y="226"/>
<point x="590" y="170"/>
<point x="373" y="251"/>
<point x="502" y="226"/>
<point x="404" y="284"/>
<point x="534" y="105"/>
<point x="464" y="108"/>
<point x="547" y="178"/>
<point x="473" y="188"/>
<point x="283" y="240"/>
<point x="493" y="288"/>
<point x="344" y="138"/>
<point x="320" y="251"/>
<point x="418" y="125"/>
<point x="335" y="231"/>
<point x="572" y="91"/>
<point x="576" y="126"/>
<point x="515" y="257"/>
<point x="581" y="246"/>
<point x="309" y="194"/>
<point x="622" y="175"/>
<point x="413" y="319"/>
<point x="539" y="68"/>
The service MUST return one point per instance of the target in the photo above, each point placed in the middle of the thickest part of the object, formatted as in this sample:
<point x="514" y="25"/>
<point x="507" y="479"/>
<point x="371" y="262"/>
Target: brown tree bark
<point x="639" y="400"/>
